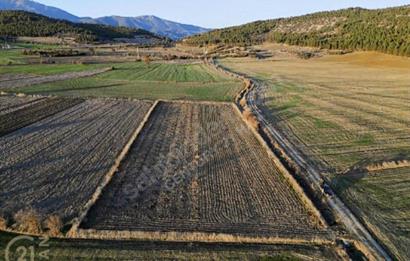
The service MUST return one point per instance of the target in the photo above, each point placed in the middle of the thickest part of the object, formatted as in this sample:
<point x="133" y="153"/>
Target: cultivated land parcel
<point x="56" y="164"/>
<point x="345" y="113"/>
<point x="142" y="81"/>
<point x="197" y="167"/>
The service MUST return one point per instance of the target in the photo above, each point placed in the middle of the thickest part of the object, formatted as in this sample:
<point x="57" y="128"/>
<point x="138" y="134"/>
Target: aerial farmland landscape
<point x="140" y="138"/>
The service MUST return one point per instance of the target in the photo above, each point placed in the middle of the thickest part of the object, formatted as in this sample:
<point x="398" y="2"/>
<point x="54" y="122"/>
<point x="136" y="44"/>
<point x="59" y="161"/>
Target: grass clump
<point x="28" y="220"/>
<point x="365" y="140"/>
<point x="251" y="119"/>
<point x="3" y="223"/>
<point x="53" y="225"/>
<point x="323" y="124"/>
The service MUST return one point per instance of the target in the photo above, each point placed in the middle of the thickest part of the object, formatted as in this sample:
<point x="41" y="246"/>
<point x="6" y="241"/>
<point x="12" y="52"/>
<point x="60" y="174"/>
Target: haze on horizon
<point x="211" y="13"/>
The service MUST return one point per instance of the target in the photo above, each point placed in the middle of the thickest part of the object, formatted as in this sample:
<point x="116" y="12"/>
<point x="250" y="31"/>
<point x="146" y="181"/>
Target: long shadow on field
<point x="280" y="113"/>
<point x="342" y="182"/>
<point x="32" y="129"/>
<point x="357" y="172"/>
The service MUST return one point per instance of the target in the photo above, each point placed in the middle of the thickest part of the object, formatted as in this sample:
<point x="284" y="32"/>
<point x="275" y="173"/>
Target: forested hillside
<point x="20" y="23"/>
<point x="384" y="30"/>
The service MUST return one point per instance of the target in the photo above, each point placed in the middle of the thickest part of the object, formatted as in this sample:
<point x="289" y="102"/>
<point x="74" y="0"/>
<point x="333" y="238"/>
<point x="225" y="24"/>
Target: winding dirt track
<point x="352" y="224"/>
<point x="348" y="218"/>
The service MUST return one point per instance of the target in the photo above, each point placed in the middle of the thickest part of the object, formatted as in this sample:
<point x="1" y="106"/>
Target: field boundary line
<point x="17" y="232"/>
<point x="290" y="179"/>
<point x="110" y="174"/>
<point x="20" y="95"/>
<point x="195" y="102"/>
<point x="195" y="237"/>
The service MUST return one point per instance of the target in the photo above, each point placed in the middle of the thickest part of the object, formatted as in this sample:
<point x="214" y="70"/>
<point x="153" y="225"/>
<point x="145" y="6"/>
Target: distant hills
<point x="153" y="24"/>
<point x="22" y="23"/>
<point x="385" y="30"/>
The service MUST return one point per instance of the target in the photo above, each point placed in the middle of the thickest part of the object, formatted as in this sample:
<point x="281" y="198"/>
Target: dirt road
<point x="350" y="221"/>
<point x="352" y="224"/>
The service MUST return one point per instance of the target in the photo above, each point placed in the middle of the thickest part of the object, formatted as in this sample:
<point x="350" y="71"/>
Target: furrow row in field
<point x="10" y="102"/>
<point x="20" y="106"/>
<point x="66" y="156"/>
<point x="27" y="115"/>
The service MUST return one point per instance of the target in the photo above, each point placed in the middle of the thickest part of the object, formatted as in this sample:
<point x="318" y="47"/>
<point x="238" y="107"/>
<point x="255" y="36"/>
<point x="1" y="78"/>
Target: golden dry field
<point x="347" y="114"/>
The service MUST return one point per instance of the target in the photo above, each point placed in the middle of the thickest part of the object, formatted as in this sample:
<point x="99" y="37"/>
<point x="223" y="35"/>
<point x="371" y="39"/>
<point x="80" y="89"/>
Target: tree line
<point x="384" y="30"/>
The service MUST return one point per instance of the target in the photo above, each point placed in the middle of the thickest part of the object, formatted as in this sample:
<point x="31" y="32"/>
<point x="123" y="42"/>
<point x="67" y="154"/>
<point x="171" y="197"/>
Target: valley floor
<point x="344" y="114"/>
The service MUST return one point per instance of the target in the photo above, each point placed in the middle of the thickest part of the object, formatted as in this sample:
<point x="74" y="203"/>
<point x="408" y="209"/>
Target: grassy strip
<point x="68" y="249"/>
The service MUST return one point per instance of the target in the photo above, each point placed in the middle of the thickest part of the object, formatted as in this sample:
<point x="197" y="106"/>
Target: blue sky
<point x="211" y="13"/>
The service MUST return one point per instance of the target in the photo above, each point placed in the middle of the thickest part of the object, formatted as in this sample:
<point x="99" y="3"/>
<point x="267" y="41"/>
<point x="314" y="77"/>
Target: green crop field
<point x="11" y="57"/>
<point x="16" y="57"/>
<point x="153" y="81"/>
<point x="165" y="72"/>
<point x="343" y="113"/>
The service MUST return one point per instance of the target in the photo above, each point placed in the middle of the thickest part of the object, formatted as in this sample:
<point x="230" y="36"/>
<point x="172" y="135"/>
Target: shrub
<point x="242" y="102"/>
<point x="27" y="220"/>
<point x="53" y="224"/>
<point x="92" y="51"/>
<point x="3" y="223"/>
<point x="251" y="119"/>
<point x="147" y="59"/>
<point x="305" y="55"/>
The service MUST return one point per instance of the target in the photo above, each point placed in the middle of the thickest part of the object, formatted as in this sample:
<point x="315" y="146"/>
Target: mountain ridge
<point x="17" y="23"/>
<point x="150" y="23"/>
<point x="34" y="7"/>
